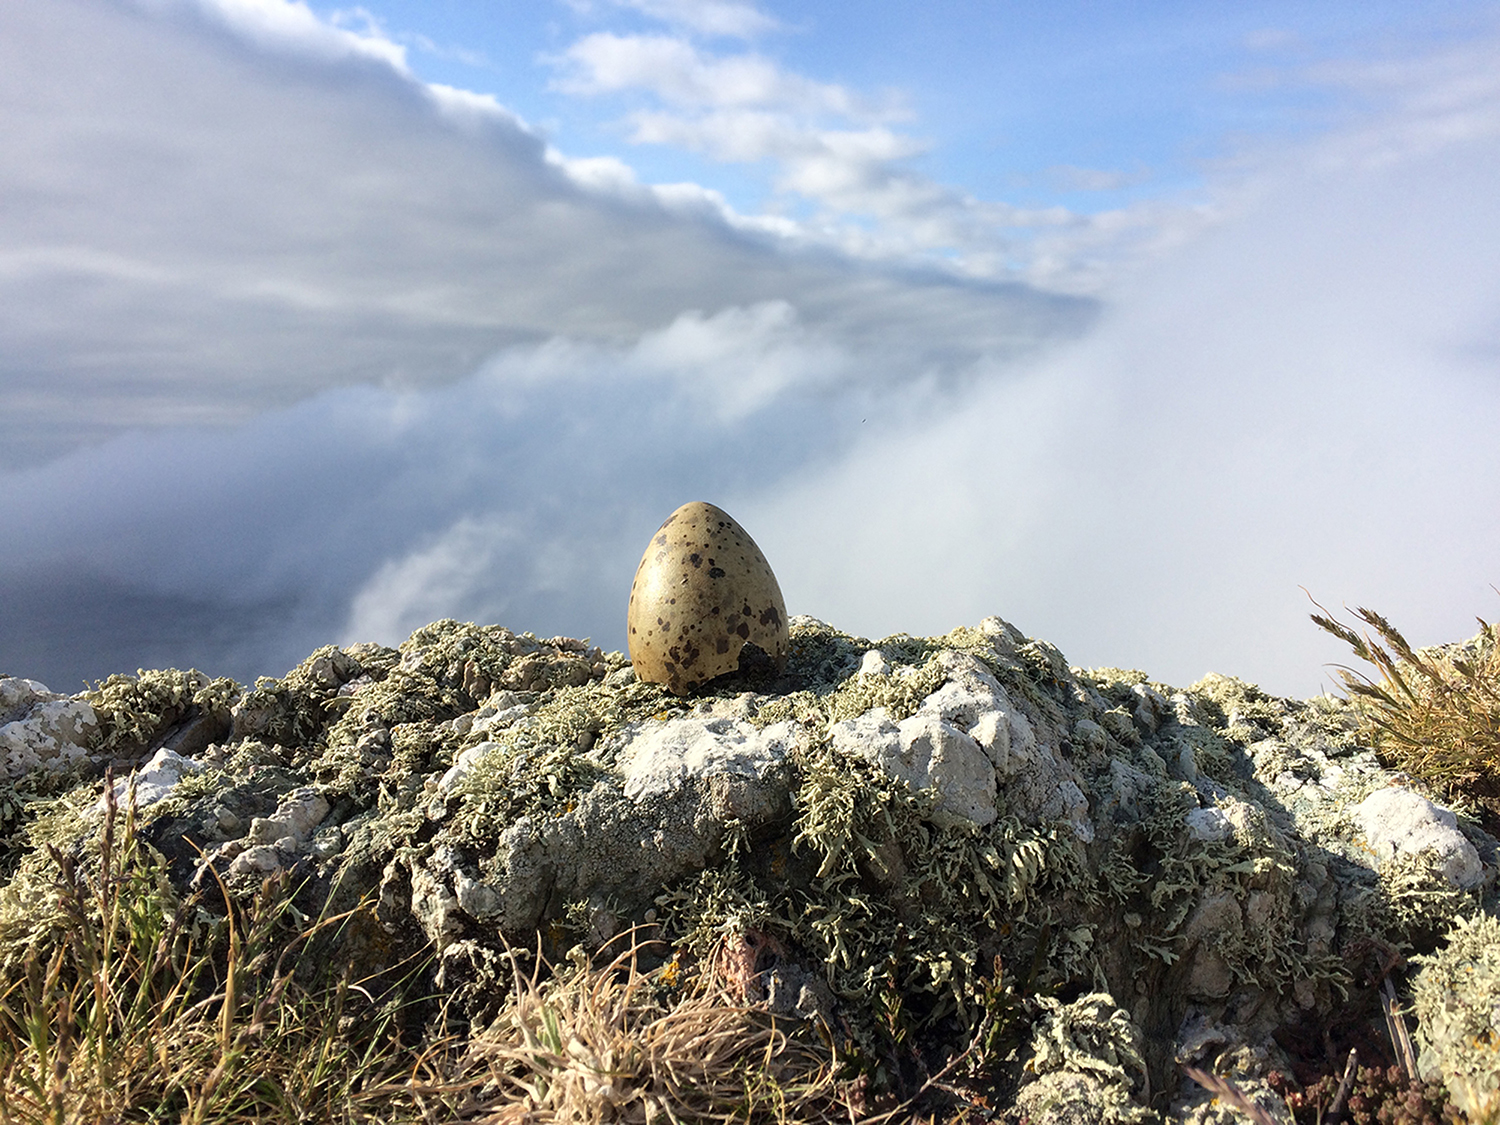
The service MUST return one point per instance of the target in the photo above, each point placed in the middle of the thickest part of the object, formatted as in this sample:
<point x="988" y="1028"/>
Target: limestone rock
<point x="1396" y="820"/>
<point x="40" y="728"/>
<point x="909" y="814"/>
<point x="153" y="781"/>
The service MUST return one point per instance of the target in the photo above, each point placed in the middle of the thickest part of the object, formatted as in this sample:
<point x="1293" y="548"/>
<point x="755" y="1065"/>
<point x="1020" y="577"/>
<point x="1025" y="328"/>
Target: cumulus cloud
<point x="718" y="18"/>
<point x="841" y="154"/>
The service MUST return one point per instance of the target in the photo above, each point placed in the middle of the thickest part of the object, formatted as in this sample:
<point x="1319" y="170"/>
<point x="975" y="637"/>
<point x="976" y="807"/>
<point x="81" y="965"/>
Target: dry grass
<point x="140" y="1010"/>
<point x="143" y="1007"/>
<point x="614" y="1044"/>
<point x="1435" y="712"/>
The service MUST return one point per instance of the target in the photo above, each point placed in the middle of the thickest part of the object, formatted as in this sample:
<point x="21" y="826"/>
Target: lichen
<point x="1088" y="1057"/>
<point x="29" y="907"/>
<point x="1457" y="996"/>
<point x="1215" y="851"/>
<point x="134" y="710"/>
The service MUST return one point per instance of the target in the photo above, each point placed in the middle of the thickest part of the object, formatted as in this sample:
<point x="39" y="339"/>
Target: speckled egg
<point x="703" y="590"/>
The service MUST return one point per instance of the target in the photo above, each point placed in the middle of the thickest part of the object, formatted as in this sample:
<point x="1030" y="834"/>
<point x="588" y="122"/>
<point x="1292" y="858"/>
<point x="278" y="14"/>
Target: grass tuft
<point x="613" y="1043"/>
<point x="1433" y="712"/>
<point x="141" y="1006"/>
<point x="146" y="1007"/>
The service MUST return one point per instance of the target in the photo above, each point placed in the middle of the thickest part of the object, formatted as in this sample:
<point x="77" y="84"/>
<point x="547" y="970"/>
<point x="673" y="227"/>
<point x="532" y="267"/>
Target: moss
<point x="29" y="907"/>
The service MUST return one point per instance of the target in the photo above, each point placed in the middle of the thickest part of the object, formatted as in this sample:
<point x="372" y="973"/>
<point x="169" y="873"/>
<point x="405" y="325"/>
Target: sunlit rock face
<point x="1200" y="873"/>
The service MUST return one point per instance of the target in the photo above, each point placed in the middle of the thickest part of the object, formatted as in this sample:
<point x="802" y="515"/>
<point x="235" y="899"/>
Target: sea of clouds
<point x="297" y="350"/>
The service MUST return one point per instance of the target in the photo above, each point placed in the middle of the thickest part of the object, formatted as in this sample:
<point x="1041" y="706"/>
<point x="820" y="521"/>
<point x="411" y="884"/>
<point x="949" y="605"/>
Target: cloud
<point x="291" y="24"/>
<point x="521" y="493"/>
<point x="1069" y="177"/>
<point x="705" y="17"/>
<point x="839" y="154"/>
<point x="679" y="72"/>
<point x="199" y="228"/>
<point x="1304" y="397"/>
<point x="317" y="352"/>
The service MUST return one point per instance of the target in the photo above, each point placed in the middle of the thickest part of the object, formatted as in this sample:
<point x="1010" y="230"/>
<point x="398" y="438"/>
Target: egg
<point x="702" y="592"/>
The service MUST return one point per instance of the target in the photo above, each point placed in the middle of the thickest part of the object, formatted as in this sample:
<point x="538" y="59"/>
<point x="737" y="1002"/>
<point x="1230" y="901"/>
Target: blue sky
<point x="1007" y="99"/>
<point x="1123" y="321"/>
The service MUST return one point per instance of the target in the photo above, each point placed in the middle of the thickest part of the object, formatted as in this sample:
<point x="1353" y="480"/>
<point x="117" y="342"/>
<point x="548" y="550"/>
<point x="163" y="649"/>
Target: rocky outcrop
<point x="41" y="729"/>
<point x="1147" y="876"/>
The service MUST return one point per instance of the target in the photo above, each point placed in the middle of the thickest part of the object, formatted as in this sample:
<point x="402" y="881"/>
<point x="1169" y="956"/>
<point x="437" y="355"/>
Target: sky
<point x="1135" y="325"/>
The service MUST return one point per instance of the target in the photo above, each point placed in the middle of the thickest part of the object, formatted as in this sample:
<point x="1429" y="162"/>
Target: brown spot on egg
<point x="672" y="574"/>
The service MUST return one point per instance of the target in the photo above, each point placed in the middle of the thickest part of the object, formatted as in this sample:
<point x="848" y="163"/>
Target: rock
<point x="18" y="696"/>
<point x="662" y="759"/>
<point x="926" y="753"/>
<point x="299" y="812"/>
<point x="903" y="815"/>
<point x="1396" y="820"/>
<point x="41" y="729"/>
<point x="661" y="813"/>
<point x="153" y="781"/>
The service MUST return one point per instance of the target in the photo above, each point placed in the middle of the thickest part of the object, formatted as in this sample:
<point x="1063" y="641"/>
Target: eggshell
<point x="702" y="591"/>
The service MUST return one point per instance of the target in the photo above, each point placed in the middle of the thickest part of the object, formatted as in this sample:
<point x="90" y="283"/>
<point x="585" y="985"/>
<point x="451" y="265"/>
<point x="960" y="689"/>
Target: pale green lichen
<point x="904" y="910"/>
<point x="134" y="710"/>
<point x="1089" y="1061"/>
<point x="29" y="907"/>
<point x="1457" y="996"/>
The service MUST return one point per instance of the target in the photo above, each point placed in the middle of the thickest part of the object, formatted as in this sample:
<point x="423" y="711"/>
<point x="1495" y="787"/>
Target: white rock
<point x="1209" y="824"/>
<point x="154" y="781"/>
<point x="970" y="691"/>
<point x="297" y="814"/>
<point x="18" y="696"/>
<point x="54" y="731"/>
<point x="435" y="906"/>
<point x="658" y="758"/>
<point x="476" y="899"/>
<point x="992" y="732"/>
<point x="1022" y="742"/>
<point x="262" y="860"/>
<point x="874" y="664"/>
<point x="1395" y="819"/>
<point x="925" y="752"/>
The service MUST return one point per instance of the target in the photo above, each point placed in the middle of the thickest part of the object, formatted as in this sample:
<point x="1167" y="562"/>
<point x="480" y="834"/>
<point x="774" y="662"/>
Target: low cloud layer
<point x="205" y="222"/>
<point x="297" y="350"/>
<point x="523" y="493"/>
<point x="1306" y="398"/>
